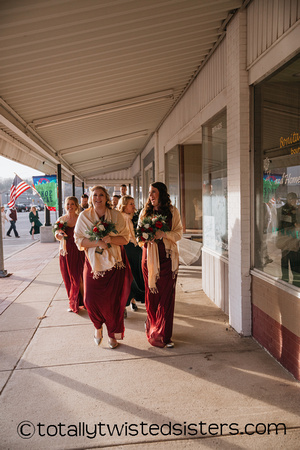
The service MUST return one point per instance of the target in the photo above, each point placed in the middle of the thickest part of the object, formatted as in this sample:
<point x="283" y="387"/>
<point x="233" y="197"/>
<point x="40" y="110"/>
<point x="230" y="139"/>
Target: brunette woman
<point x="160" y="264"/>
<point x="107" y="275"/>
<point x="71" y="260"/>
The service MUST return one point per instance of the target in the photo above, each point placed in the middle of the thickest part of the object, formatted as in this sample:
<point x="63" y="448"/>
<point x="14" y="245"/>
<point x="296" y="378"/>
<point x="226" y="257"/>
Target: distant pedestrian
<point x="12" y="217"/>
<point x="3" y="218"/>
<point x="35" y="222"/>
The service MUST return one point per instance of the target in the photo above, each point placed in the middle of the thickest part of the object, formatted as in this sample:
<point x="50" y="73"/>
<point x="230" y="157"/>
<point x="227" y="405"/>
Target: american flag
<point x="17" y="188"/>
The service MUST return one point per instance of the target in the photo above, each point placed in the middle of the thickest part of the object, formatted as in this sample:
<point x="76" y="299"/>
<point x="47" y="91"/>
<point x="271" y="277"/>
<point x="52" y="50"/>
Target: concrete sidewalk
<point x="60" y="391"/>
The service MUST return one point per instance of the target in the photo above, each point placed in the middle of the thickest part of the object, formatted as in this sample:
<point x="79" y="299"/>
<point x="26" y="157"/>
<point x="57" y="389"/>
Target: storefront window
<point x="277" y="174"/>
<point x="172" y="175"/>
<point x="192" y="177"/>
<point x="215" y="225"/>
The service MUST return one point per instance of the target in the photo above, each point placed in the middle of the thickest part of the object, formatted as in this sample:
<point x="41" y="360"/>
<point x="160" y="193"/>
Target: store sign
<point x="46" y="186"/>
<point x="290" y="140"/>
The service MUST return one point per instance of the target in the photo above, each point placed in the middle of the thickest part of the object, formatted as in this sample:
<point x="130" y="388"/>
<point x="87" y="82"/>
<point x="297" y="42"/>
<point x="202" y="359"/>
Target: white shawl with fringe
<point x="174" y="235"/>
<point x="128" y="220"/>
<point x="62" y="242"/>
<point x="111" y="257"/>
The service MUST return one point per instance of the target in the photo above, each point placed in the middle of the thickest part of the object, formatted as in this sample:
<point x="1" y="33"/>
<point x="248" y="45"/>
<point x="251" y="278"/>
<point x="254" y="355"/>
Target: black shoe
<point x="133" y="306"/>
<point x="18" y="236"/>
<point x="8" y="235"/>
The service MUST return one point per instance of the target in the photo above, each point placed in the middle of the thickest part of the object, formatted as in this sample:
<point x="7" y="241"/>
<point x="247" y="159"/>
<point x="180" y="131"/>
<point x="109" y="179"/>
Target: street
<point x="11" y="245"/>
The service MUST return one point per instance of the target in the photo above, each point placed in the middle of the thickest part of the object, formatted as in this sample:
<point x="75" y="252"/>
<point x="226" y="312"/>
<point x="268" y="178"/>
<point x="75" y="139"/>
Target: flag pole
<point x="3" y="272"/>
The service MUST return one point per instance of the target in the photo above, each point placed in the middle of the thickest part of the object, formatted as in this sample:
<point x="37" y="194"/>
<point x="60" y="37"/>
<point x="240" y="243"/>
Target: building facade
<point x="229" y="153"/>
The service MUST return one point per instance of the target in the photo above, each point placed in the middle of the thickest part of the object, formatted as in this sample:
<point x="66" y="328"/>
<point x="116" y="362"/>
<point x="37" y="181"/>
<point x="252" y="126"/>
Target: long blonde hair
<point x="75" y="200"/>
<point x="123" y="202"/>
<point x="94" y="188"/>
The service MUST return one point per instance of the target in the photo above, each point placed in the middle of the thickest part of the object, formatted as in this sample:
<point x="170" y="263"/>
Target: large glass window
<point x="192" y="178"/>
<point x="277" y="174"/>
<point x="172" y="175"/>
<point x="214" y="145"/>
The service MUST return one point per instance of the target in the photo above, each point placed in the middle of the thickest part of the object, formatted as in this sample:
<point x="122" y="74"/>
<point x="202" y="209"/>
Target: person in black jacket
<point x="12" y="217"/>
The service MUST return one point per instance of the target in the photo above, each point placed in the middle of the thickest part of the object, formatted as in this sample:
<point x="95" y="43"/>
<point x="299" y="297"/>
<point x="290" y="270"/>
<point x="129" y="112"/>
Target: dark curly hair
<point x="165" y="204"/>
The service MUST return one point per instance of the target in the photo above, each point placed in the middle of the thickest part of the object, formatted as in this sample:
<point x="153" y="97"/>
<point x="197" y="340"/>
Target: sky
<point x="8" y="168"/>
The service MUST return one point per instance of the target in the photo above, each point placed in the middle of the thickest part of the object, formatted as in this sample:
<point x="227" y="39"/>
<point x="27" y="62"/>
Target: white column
<point x="238" y="145"/>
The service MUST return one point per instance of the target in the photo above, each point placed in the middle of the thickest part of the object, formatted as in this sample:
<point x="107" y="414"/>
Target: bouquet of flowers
<point x="145" y="232"/>
<point x="100" y="229"/>
<point x="60" y="225"/>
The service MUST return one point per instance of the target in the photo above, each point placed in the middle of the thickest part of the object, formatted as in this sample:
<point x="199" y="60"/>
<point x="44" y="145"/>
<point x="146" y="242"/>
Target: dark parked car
<point x="20" y="207"/>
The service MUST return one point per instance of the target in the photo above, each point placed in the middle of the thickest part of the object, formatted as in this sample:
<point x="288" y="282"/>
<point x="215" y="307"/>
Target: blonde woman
<point x="134" y="254"/>
<point x="71" y="260"/>
<point x="35" y="222"/>
<point x="107" y="275"/>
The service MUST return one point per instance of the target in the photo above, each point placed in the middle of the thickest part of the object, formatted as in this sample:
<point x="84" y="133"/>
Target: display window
<point x="214" y="189"/>
<point x="277" y="174"/>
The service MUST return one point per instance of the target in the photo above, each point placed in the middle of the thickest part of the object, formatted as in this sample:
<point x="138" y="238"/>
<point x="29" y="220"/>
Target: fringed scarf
<point x="62" y="242"/>
<point x="174" y="235"/>
<point x="111" y="257"/>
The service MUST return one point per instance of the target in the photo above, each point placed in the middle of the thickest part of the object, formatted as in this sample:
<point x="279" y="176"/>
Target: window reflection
<point x="277" y="175"/>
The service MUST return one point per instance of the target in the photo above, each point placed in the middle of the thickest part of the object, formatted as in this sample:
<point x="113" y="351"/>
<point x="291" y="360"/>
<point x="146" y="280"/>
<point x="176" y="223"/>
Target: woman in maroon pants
<point x="107" y="275"/>
<point x="71" y="260"/>
<point x="160" y="264"/>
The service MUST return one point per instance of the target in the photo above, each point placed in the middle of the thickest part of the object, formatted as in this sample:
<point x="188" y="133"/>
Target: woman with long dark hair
<point x="160" y="264"/>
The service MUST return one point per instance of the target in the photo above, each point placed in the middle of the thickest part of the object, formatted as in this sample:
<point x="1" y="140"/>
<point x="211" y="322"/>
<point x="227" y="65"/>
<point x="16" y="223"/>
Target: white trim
<point x="218" y="104"/>
<point x="106" y="108"/>
<point x="215" y="254"/>
<point x="276" y="55"/>
<point x="280" y="284"/>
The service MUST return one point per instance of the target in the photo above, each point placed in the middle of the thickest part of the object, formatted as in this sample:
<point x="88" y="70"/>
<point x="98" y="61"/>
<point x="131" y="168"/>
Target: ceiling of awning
<point x="86" y="83"/>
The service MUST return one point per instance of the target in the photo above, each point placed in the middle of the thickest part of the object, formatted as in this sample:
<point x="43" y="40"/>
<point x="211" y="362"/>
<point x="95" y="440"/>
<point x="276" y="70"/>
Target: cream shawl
<point x="174" y="235"/>
<point x="128" y="220"/>
<point x="110" y="257"/>
<point x="62" y="242"/>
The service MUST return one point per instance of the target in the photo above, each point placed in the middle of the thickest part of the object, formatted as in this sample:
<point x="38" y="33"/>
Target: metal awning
<point x="86" y="83"/>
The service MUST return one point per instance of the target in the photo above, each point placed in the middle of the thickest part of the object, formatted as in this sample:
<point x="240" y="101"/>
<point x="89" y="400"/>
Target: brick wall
<point x="275" y="323"/>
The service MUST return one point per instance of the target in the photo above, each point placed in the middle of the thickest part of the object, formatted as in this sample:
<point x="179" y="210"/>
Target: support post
<point x="3" y="273"/>
<point x="47" y="217"/>
<point x="73" y="185"/>
<point x="59" y="184"/>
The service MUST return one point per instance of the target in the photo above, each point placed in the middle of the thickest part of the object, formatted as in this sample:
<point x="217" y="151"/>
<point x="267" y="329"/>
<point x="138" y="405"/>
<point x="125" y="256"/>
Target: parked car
<point x="20" y="207"/>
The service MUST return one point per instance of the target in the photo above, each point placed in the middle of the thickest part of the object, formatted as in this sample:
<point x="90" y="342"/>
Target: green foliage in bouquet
<point x="99" y="230"/>
<point x="60" y="225"/>
<point x="145" y="232"/>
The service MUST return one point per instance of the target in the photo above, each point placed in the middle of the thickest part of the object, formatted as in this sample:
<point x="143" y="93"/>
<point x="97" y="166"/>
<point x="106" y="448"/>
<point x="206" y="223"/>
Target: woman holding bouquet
<point x="134" y="253"/>
<point x="71" y="260"/>
<point x="160" y="264"/>
<point x="107" y="275"/>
